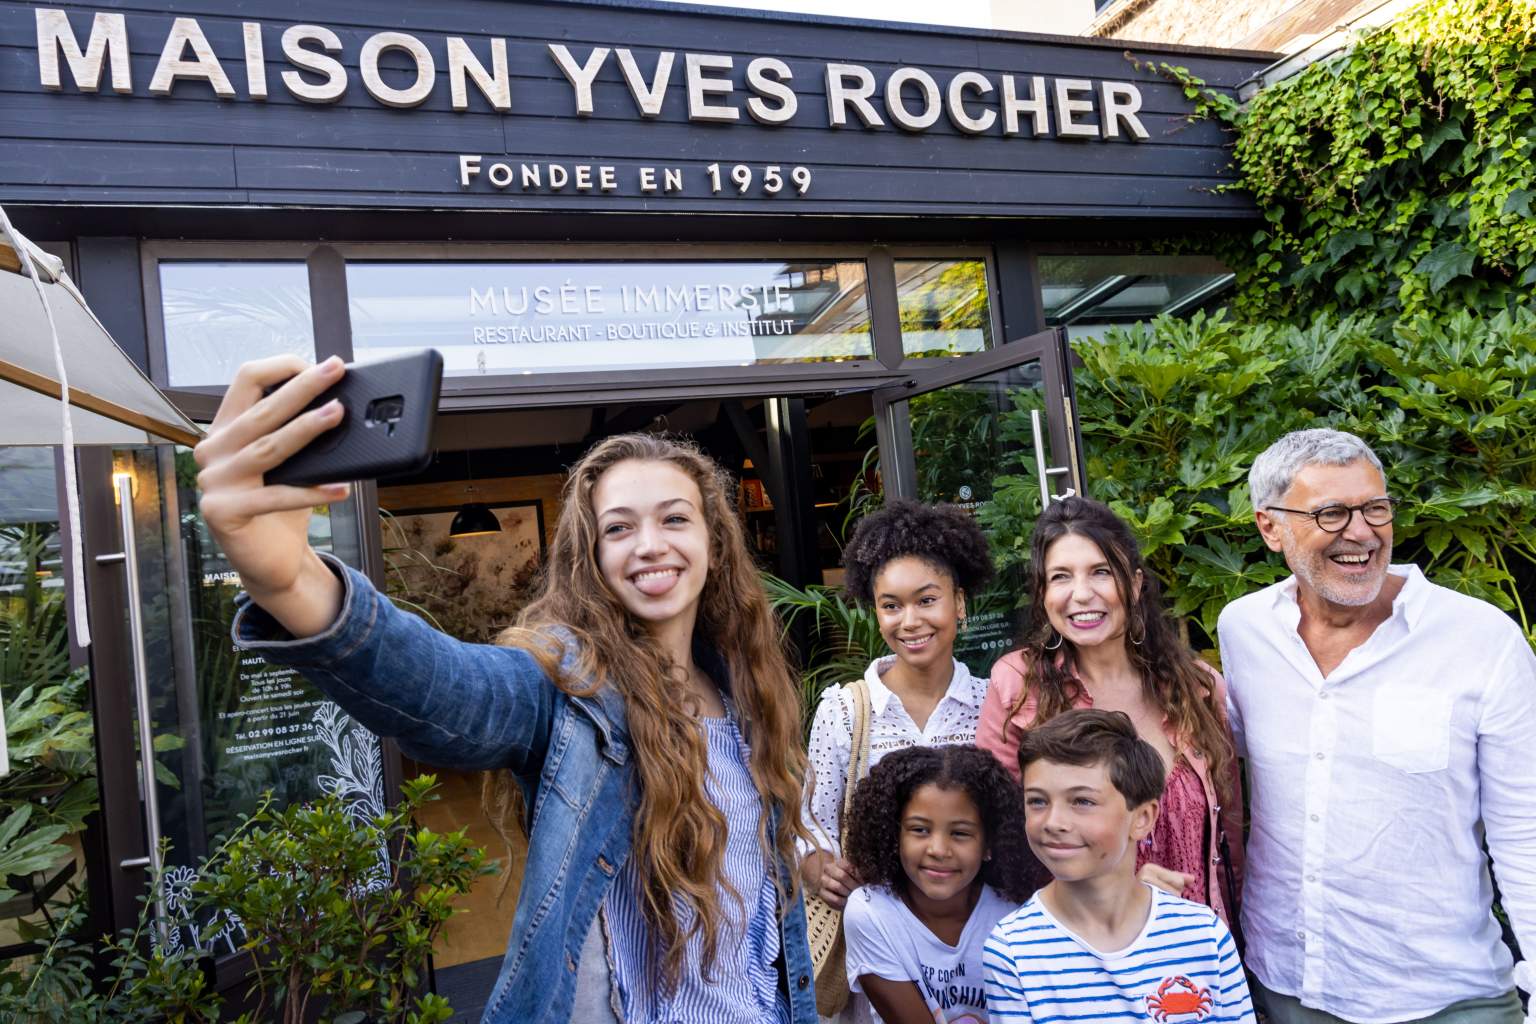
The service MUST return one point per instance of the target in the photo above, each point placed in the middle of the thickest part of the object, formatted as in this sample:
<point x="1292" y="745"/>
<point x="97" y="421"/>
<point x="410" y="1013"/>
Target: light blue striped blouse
<point x="744" y="985"/>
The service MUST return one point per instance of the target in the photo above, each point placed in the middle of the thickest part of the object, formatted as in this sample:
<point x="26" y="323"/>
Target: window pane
<point x="490" y="318"/>
<point x="1089" y="293"/>
<point x="972" y="446"/>
<point x="218" y="315"/>
<point x="944" y="310"/>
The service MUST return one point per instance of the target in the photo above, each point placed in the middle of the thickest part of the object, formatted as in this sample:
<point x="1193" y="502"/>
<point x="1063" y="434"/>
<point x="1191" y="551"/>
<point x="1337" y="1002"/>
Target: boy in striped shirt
<point x="1098" y="944"/>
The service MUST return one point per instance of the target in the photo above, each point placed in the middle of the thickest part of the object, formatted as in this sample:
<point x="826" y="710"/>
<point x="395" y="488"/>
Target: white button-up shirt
<point x="890" y="728"/>
<point x="1367" y="892"/>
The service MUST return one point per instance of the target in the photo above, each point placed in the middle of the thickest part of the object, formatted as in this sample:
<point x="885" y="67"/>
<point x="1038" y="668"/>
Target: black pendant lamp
<point x="473" y="519"/>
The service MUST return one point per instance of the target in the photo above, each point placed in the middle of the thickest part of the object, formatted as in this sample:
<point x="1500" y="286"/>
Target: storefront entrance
<point x="226" y="727"/>
<point x="807" y="467"/>
<point x="824" y="250"/>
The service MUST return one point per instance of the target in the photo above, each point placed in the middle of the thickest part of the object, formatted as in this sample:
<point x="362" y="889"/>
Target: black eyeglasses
<point x="1335" y="518"/>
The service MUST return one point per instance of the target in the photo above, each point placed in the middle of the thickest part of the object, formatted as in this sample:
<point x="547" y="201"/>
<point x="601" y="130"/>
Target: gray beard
<point x="1313" y="570"/>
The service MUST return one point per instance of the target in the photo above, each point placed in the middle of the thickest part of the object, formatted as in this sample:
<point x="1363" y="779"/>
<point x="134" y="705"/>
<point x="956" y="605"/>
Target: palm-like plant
<point x="844" y="638"/>
<point x="48" y="728"/>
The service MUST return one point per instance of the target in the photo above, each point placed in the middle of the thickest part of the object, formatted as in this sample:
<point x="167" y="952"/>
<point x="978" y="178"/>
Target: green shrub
<point x="331" y="917"/>
<point x="339" y="911"/>
<point x="844" y="637"/>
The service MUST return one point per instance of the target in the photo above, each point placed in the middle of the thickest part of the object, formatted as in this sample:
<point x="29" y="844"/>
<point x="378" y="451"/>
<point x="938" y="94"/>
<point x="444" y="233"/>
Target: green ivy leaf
<point x="1445" y="132"/>
<point x="1445" y="262"/>
<point x="1344" y="242"/>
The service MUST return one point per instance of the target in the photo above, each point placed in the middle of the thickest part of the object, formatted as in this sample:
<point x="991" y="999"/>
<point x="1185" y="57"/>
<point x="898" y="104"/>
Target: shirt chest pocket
<point x="1411" y="728"/>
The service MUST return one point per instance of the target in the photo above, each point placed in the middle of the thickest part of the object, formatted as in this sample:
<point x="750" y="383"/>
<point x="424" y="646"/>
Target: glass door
<point x="996" y="434"/>
<point x="48" y="777"/>
<point x="222" y="727"/>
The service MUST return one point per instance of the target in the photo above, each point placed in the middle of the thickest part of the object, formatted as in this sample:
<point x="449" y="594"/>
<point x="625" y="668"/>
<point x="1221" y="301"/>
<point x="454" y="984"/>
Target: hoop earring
<point x="1056" y="645"/>
<point x="1143" y="639"/>
<point x="962" y="625"/>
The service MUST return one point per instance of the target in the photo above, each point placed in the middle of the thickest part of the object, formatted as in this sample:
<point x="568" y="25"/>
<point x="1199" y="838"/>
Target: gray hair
<point x="1274" y="470"/>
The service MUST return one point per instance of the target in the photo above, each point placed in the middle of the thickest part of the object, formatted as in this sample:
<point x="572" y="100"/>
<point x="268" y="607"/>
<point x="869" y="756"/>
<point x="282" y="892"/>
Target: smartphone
<point x="386" y="430"/>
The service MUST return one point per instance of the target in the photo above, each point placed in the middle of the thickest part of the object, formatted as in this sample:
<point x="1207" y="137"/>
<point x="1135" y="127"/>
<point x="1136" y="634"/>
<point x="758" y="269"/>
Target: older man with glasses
<point x="1389" y="727"/>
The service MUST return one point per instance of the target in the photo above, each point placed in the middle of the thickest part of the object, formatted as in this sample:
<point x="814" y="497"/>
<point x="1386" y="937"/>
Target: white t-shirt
<point x="885" y="938"/>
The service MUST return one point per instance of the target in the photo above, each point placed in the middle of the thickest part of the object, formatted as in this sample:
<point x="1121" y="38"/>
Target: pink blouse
<point x="1177" y="841"/>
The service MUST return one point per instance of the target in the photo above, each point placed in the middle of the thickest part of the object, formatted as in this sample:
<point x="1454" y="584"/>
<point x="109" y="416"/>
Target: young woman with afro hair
<point x="913" y="564"/>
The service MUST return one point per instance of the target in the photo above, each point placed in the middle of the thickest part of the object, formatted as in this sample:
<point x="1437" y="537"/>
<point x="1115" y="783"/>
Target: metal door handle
<point x="1043" y="471"/>
<point x="129" y="557"/>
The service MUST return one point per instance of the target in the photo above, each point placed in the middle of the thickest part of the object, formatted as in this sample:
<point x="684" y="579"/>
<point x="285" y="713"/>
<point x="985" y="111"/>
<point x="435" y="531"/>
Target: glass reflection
<point x="48" y="782"/>
<point x="503" y="318"/>
<point x="219" y="314"/>
<point x="973" y="446"/>
<point x="944" y="309"/>
<point x="1091" y="292"/>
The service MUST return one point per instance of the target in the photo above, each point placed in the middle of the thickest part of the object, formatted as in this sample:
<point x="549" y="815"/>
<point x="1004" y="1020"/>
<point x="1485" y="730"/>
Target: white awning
<point x="113" y="402"/>
<point x="51" y="345"/>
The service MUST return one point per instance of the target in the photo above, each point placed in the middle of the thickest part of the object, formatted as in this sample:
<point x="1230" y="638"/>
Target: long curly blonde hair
<point x="679" y="836"/>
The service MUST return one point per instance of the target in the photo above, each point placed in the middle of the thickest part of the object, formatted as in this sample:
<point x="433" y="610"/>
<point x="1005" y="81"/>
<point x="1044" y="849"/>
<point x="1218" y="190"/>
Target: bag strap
<point x="858" y="750"/>
<point x="1231" y="886"/>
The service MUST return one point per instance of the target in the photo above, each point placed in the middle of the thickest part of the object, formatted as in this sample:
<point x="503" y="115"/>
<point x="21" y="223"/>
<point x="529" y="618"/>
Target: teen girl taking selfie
<point x="643" y="703"/>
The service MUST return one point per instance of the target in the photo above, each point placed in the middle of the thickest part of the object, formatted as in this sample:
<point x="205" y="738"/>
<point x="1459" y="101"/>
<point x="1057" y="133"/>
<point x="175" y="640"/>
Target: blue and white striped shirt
<point x="744" y="987"/>
<point x="1182" y="967"/>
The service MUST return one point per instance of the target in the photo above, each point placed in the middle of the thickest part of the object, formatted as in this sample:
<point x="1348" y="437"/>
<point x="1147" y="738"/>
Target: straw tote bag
<point x="824" y="926"/>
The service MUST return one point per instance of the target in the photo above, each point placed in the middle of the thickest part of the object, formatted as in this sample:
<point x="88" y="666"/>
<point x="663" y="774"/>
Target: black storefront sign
<point x="558" y="106"/>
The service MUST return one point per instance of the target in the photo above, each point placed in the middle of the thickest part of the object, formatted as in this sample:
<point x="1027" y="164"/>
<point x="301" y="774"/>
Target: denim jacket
<point x="473" y="706"/>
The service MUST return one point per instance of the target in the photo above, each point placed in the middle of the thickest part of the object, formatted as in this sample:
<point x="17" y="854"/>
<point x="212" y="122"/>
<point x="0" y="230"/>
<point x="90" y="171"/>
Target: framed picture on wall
<point x="470" y="587"/>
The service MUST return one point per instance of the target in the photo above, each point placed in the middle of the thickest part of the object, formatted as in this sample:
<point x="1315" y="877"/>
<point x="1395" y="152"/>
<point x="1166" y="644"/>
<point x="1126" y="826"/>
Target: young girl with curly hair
<point x="937" y="835"/>
<point x="913" y="564"/>
<point x="1098" y="636"/>
<point x="643" y="705"/>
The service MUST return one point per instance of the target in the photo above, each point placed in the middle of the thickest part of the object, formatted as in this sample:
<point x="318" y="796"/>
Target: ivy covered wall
<point x="1398" y="179"/>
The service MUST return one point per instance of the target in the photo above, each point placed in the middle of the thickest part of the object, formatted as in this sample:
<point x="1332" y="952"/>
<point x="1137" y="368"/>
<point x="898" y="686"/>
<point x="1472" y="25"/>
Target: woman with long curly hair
<point x="642" y="702"/>
<point x="1098" y="636"/>
<point x="937" y="835"/>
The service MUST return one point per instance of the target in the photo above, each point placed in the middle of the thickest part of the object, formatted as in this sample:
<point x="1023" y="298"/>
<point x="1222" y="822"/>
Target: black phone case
<point x="366" y="445"/>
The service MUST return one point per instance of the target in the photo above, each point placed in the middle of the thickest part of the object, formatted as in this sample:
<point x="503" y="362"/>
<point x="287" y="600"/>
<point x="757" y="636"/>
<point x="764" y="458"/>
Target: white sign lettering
<point x="717" y="88"/>
<point x="543" y="317"/>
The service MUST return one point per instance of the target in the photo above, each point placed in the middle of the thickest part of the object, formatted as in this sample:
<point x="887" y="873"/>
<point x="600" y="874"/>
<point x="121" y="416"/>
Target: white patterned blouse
<point x="890" y="728"/>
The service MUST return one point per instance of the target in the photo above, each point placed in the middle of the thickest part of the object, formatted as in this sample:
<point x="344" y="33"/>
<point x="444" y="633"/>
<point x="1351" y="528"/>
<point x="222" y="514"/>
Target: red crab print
<point x="1179" y="997"/>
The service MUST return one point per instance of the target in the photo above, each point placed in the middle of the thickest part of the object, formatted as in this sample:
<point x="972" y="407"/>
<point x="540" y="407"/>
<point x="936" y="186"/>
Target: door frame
<point x="893" y="425"/>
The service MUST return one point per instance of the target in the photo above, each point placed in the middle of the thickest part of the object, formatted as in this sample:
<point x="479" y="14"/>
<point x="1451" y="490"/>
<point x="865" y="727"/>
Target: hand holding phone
<point x="274" y="409"/>
<point x="389" y="408"/>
